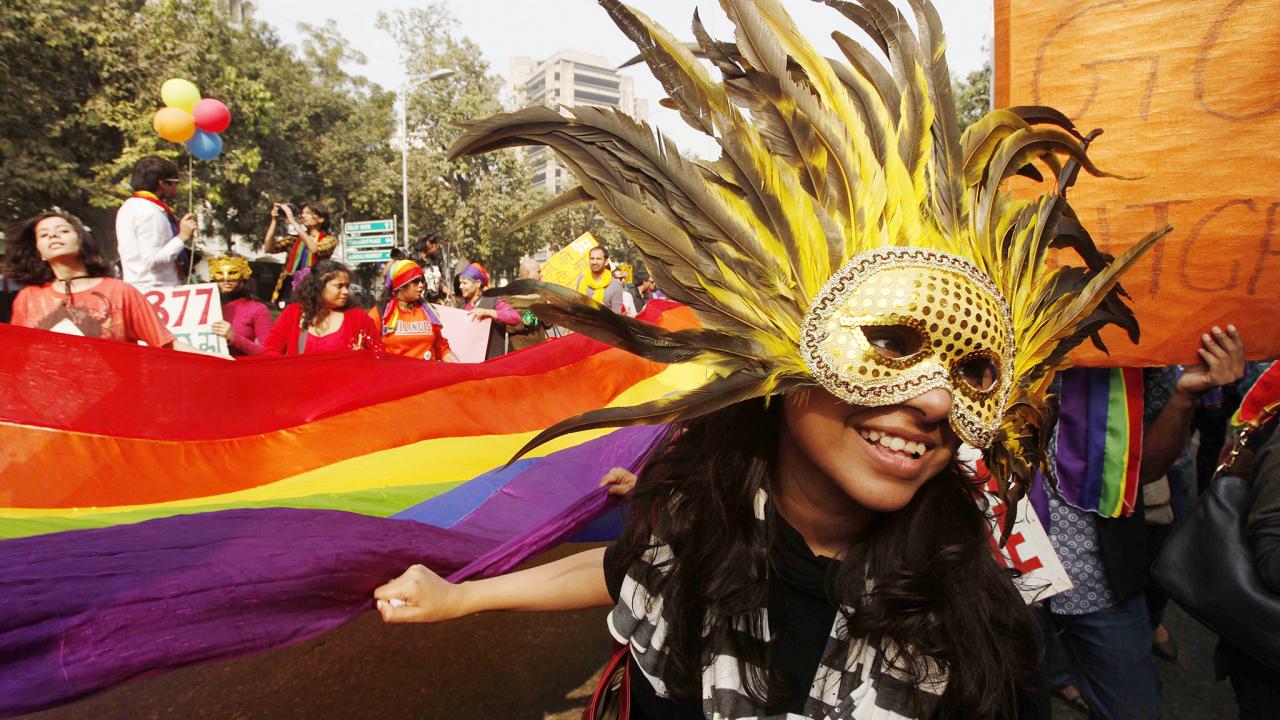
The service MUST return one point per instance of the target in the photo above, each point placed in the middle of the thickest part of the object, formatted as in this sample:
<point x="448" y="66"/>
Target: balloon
<point x="205" y="145"/>
<point x="173" y="124"/>
<point x="179" y="93"/>
<point x="211" y="115"/>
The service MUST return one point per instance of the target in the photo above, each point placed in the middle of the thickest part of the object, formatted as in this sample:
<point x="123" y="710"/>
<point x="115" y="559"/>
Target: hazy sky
<point x="508" y="28"/>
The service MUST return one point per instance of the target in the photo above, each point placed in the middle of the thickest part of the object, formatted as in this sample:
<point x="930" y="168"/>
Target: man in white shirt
<point x="149" y="234"/>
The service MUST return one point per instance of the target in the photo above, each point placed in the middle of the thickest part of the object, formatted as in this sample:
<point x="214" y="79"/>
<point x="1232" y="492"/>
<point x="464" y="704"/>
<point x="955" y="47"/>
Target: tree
<point x="973" y="95"/>
<point x="473" y="201"/>
<point x="83" y="81"/>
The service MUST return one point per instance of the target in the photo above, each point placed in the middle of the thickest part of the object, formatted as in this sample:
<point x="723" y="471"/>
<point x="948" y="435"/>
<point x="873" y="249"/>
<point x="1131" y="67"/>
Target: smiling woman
<point x="803" y="539"/>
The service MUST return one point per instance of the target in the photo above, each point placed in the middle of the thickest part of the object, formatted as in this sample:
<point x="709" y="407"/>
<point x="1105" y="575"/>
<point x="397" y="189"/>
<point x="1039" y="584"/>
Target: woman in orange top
<point x="409" y="326"/>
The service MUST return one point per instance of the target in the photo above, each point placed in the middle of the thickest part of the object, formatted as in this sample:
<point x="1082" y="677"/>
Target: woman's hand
<point x="223" y="328"/>
<point x="482" y="313"/>
<point x="1222" y="354"/>
<point x="420" y="595"/>
<point x="619" y="480"/>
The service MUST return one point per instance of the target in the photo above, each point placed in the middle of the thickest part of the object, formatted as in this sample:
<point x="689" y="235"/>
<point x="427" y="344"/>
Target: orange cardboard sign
<point x="1188" y="93"/>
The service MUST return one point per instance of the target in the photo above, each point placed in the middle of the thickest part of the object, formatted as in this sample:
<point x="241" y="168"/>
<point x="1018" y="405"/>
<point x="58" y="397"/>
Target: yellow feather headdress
<point x="822" y="161"/>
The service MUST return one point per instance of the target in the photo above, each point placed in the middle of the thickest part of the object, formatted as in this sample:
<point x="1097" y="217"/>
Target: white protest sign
<point x="1040" y="574"/>
<point x="189" y="311"/>
<point x="468" y="338"/>
<point x="1029" y="552"/>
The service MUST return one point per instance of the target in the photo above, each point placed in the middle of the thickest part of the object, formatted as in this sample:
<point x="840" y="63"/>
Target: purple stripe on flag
<point x="86" y="609"/>
<point x="1072" y="447"/>
<point x="1096" y="436"/>
<point x="509" y="501"/>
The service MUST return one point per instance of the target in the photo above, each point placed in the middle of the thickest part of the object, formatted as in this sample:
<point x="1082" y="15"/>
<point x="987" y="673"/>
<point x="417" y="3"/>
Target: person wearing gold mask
<point x="804" y="539"/>
<point x="245" y="319"/>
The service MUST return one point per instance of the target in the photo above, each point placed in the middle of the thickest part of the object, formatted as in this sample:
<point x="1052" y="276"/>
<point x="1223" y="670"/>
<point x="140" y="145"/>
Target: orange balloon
<point x="174" y="124"/>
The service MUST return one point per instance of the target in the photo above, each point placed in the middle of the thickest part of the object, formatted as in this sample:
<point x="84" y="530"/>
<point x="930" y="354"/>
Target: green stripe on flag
<point x="1115" y="457"/>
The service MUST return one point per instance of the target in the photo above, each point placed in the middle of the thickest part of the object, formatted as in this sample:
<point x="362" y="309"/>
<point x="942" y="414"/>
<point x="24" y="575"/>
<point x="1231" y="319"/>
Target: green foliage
<point x="973" y="95"/>
<point x="82" y="81"/>
<point x="472" y="202"/>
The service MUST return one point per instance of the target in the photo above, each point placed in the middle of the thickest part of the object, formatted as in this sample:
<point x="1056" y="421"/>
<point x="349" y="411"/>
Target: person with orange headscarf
<point x="410" y="327"/>
<point x="472" y="281"/>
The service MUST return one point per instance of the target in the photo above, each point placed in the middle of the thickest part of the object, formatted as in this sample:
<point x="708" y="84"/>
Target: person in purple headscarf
<point x="472" y="281"/>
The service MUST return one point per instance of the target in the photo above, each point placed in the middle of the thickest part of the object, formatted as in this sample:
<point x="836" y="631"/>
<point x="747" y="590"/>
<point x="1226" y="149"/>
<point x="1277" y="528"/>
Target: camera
<point x="277" y="210"/>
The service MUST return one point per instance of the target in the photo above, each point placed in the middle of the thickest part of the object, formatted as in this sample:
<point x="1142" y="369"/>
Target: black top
<point x="800" y="618"/>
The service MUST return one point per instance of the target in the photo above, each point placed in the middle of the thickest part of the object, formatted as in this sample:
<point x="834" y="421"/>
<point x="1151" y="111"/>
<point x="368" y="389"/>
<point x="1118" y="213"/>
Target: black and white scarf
<point x="851" y="682"/>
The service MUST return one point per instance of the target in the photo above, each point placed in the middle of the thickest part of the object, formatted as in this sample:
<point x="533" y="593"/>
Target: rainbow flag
<point x="1099" y="439"/>
<point x="160" y="509"/>
<point x="1260" y="402"/>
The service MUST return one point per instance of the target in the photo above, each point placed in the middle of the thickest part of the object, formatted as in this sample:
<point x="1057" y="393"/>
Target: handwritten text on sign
<point x="1188" y="93"/>
<point x="189" y="311"/>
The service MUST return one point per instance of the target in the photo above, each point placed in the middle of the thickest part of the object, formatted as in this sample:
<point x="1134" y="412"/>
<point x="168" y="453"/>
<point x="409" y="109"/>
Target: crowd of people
<point x="788" y="493"/>
<point x="67" y="284"/>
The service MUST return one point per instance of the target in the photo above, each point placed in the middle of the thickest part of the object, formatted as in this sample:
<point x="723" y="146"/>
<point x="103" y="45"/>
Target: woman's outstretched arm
<point x="572" y="583"/>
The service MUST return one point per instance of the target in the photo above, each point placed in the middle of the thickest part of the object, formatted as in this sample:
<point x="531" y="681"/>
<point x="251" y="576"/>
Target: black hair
<point x="308" y="294"/>
<point x="938" y="592"/>
<point x="602" y="249"/>
<point x="23" y="262"/>
<point x="318" y="208"/>
<point x="149" y="171"/>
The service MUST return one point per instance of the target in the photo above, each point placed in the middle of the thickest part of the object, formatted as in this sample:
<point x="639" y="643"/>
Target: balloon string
<point x="191" y="204"/>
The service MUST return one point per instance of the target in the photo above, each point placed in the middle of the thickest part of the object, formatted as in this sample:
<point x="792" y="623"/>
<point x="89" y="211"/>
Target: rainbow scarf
<point x="1099" y="439"/>
<point x="155" y="200"/>
<point x="300" y="255"/>
<point x="169" y="526"/>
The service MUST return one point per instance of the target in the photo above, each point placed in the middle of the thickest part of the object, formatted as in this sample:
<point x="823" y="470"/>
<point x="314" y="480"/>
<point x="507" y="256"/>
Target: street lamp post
<point x="404" y="142"/>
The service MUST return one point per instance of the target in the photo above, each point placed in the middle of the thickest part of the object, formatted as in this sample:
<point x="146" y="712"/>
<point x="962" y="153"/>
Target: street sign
<point x="355" y="257"/>
<point x="371" y="241"/>
<point x="370" y="227"/>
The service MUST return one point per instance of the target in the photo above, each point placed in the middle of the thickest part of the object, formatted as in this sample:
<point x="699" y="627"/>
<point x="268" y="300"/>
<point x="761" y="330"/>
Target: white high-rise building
<point x="237" y="10"/>
<point x="568" y="78"/>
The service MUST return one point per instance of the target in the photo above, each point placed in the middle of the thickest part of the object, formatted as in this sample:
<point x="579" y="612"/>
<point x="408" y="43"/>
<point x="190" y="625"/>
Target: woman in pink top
<point x="322" y="320"/>
<point x="70" y="288"/>
<point x="246" y="321"/>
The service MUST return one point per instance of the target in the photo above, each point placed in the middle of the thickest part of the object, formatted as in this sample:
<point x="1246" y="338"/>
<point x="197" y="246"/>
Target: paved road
<point x="501" y="665"/>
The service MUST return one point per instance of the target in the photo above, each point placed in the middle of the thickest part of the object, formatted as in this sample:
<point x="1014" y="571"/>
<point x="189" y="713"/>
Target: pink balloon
<point x="211" y="115"/>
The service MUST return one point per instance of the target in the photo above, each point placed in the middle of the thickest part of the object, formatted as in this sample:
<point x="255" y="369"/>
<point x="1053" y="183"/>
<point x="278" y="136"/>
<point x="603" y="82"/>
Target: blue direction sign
<point x="370" y="227"/>
<point x="355" y="257"/>
<point x="371" y="241"/>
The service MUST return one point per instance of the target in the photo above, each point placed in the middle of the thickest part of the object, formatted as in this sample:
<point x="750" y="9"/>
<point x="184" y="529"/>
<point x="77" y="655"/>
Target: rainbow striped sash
<point x="1100" y="439"/>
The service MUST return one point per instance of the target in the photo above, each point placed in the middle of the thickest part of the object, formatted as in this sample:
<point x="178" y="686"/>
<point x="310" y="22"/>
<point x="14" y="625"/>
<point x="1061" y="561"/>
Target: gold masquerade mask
<point x="226" y="268"/>
<point x="849" y="235"/>
<point x="894" y="323"/>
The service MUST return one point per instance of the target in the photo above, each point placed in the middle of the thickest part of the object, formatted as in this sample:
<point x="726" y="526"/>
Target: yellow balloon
<point x="173" y="124"/>
<point x="179" y="93"/>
